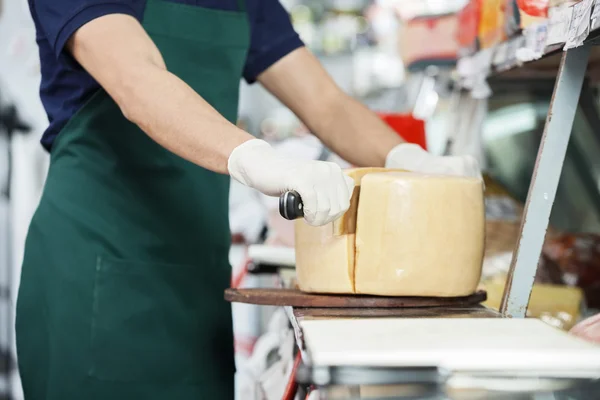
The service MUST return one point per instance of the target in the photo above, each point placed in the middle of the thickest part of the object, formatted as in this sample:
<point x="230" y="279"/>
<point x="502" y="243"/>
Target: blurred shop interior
<point x="400" y="58"/>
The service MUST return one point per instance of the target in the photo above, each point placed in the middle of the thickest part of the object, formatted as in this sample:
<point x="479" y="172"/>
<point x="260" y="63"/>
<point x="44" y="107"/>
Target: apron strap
<point x="241" y="4"/>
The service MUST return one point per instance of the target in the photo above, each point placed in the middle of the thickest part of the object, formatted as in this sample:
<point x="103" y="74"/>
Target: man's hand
<point x="412" y="157"/>
<point x="324" y="188"/>
<point x="347" y="127"/>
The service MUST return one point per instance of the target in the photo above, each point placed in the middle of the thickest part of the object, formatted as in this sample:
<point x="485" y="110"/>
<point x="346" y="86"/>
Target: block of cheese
<point x="559" y="306"/>
<point x="325" y="254"/>
<point x="324" y="261"/>
<point x="419" y="235"/>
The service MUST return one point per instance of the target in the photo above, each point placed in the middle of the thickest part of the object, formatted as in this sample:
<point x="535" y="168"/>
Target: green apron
<point x="126" y="258"/>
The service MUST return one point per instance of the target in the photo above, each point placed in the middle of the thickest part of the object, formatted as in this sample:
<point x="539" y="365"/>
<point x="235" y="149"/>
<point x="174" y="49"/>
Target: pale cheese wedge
<point x="419" y="235"/>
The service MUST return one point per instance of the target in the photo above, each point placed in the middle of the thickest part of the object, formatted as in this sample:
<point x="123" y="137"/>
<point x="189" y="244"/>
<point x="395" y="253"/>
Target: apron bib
<point x="126" y="258"/>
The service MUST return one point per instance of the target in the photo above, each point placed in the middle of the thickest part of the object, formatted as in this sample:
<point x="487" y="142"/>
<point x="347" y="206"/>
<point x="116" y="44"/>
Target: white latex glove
<point x="412" y="157"/>
<point x="325" y="190"/>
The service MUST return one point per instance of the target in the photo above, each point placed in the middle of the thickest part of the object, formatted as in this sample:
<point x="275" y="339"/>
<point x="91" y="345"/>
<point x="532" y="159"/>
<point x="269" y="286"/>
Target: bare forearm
<point x="177" y="118"/>
<point x="354" y="132"/>
<point x="342" y="123"/>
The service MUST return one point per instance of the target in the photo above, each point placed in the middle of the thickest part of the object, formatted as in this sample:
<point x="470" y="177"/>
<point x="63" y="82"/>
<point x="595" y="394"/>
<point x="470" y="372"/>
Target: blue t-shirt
<point x="65" y="86"/>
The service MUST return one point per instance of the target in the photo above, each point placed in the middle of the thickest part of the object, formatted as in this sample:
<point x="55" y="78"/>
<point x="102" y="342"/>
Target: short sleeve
<point x="60" y="19"/>
<point x="272" y="37"/>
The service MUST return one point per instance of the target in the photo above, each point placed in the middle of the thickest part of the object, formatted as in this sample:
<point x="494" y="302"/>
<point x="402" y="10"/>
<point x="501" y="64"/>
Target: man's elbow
<point x="132" y="87"/>
<point x="125" y="93"/>
<point x="127" y="75"/>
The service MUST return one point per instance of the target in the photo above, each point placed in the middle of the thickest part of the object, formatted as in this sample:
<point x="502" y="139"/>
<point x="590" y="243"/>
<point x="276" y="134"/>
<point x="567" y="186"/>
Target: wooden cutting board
<point x="296" y="298"/>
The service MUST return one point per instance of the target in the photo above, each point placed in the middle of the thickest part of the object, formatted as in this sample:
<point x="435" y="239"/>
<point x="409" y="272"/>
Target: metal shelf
<point x="549" y="63"/>
<point x="569" y="68"/>
<point x="502" y="60"/>
<point x="544" y="182"/>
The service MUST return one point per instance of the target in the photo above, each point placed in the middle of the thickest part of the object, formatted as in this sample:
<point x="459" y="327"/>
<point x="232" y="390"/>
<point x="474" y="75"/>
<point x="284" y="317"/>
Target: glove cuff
<point x="404" y="155"/>
<point x="242" y="155"/>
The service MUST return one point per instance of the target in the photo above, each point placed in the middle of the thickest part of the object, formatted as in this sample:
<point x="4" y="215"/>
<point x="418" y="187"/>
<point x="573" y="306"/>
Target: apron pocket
<point x="156" y="322"/>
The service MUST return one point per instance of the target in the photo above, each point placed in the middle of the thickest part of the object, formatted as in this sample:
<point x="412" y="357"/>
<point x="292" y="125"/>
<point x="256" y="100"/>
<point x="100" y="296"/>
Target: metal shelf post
<point x="544" y="181"/>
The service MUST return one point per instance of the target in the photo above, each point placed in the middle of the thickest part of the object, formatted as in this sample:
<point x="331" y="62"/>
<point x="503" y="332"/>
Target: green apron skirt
<point x="126" y="258"/>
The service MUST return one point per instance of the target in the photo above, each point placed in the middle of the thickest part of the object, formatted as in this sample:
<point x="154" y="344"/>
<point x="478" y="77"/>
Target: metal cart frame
<point x="544" y="181"/>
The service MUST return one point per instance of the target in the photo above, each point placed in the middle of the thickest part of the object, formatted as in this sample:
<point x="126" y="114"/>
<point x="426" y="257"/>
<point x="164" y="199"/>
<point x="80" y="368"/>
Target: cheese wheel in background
<point x="419" y="235"/>
<point x="325" y="254"/>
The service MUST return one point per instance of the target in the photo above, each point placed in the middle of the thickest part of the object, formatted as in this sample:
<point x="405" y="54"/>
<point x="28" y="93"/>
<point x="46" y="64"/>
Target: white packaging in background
<point x="580" y="24"/>
<point x="265" y="374"/>
<point x="482" y="68"/>
<point x="535" y="42"/>
<point x="500" y="54"/>
<point x="465" y="68"/>
<point x="514" y="45"/>
<point x="473" y="72"/>
<point x="595" y="23"/>
<point x="559" y="22"/>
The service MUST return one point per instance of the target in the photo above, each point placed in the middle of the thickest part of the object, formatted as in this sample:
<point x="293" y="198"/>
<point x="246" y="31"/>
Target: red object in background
<point x="535" y="8"/>
<point x="468" y="20"/>
<point x="429" y="40"/>
<point x="408" y="127"/>
<point x="574" y="260"/>
<point x="292" y="386"/>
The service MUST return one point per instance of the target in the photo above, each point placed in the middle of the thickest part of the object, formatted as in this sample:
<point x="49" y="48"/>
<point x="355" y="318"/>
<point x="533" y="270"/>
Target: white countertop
<point x="501" y="345"/>
<point x="273" y="255"/>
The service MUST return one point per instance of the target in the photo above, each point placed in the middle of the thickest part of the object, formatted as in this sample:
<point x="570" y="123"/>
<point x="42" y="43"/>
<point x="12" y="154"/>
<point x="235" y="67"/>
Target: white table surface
<point x="273" y="255"/>
<point x="497" y="345"/>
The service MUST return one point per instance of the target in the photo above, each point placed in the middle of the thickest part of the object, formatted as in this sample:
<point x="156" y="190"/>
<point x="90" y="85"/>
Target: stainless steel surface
<point x="470" y="388"/>
<point x="544" y="181"/>
<point x="354" y="383"/>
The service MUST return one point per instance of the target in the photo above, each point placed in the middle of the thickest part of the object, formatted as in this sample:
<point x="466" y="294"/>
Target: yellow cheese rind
<point x="419" y="235"/>
<point x="325" y="254"/>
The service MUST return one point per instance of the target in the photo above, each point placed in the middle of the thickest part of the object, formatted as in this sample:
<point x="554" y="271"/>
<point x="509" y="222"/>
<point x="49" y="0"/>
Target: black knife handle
<point x="290" y="205"/>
